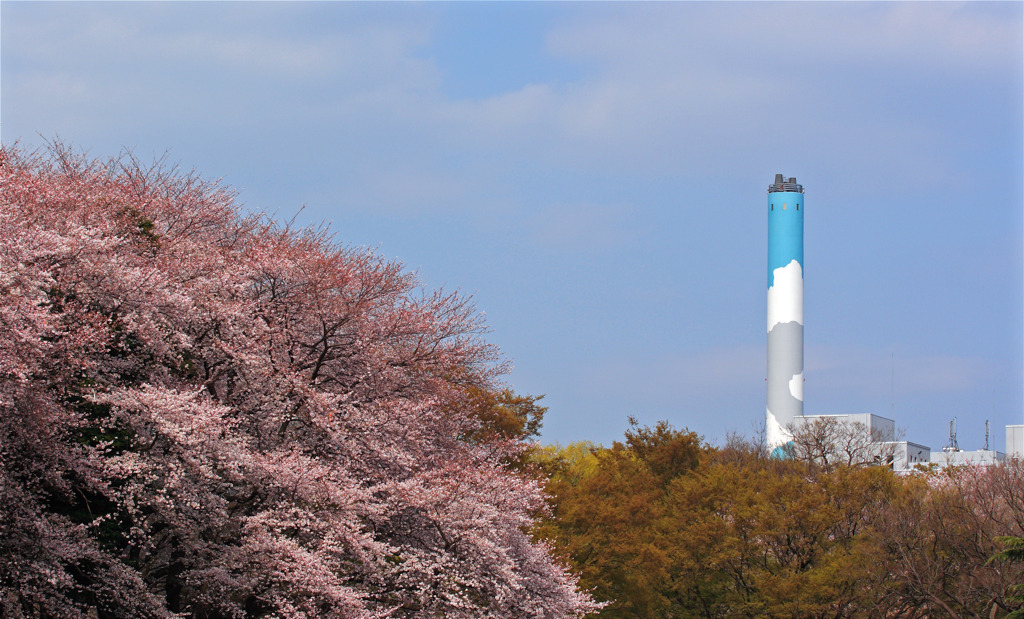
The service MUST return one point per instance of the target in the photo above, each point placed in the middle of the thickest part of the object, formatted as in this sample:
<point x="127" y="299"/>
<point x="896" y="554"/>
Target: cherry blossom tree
<point x="207" y="414"/>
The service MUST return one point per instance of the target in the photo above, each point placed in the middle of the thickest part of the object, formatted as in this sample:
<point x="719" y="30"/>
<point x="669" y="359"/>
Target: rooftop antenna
<point x="952" y="446"/>
<point x="986" y="435"/>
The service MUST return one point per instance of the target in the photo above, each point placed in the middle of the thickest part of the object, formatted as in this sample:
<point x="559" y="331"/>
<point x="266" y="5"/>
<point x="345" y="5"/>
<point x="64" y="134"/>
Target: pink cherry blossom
<point x="206" y="414"/>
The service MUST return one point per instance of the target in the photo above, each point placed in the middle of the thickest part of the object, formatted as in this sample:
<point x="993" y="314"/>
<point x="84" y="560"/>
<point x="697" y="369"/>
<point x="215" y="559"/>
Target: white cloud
<point x="206" y="64"/>
<point x="698" y="88"/>
<point x="676" y="89"/>
<point x="781" y="38"/>
<point x="786" y="296"/>
<point x="796" y="386"/>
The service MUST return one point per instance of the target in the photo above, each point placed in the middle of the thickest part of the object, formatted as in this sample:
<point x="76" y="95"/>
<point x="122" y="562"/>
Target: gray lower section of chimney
<point x="785" y="365"/>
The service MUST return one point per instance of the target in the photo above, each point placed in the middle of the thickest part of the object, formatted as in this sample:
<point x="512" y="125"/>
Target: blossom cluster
<point x="206" y="414"/>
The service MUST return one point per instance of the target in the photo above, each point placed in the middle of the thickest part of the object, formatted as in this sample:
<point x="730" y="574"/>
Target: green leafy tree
<point x="1012" y="552"/>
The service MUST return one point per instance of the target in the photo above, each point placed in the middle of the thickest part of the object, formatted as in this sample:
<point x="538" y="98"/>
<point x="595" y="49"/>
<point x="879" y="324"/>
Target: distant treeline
<point x="664" y="525"/>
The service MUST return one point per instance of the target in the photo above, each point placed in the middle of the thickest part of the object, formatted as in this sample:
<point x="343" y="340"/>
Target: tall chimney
<point x="785" y="397"/>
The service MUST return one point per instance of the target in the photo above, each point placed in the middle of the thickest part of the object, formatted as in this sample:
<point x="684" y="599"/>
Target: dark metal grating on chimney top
<point x="784" y="184"/>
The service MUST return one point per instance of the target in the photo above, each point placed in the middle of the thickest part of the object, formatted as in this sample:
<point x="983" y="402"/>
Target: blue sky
<point x="595" y="175"/>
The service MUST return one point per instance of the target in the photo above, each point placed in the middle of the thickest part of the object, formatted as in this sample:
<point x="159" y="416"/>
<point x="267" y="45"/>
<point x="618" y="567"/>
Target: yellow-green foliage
<point x="664" y="525"/>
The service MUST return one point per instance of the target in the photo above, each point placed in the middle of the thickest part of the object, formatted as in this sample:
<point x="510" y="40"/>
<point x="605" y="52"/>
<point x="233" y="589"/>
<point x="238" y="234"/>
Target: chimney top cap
<point x="785" y="184"/>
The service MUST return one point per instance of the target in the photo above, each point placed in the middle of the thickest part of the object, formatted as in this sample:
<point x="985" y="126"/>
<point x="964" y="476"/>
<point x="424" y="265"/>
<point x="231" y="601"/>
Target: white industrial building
<point x="1015" y="441"/>
<point x="907" y="456"/>
<point x="866" y="438"/>
<point x="952" y="455"/>
<point x="946" y="457"/>
<point x="875" y="427"/>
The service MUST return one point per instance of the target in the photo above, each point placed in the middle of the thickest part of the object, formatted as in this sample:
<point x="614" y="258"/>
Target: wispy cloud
<point x="645" y="138"/>
<point x="671" y="88"/>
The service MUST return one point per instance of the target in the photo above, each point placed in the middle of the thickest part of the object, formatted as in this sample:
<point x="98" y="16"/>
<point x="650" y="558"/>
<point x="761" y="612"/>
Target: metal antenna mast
<point x="952" y="437"/>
